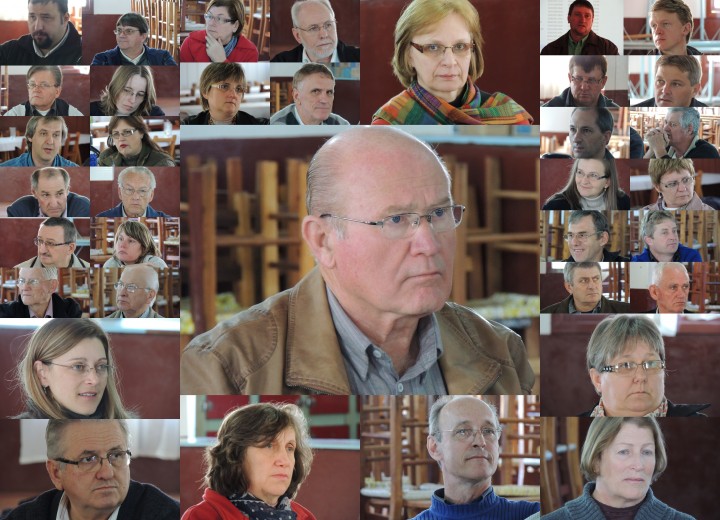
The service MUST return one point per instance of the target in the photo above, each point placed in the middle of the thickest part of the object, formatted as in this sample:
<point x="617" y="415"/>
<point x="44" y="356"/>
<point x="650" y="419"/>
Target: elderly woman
<point x="592" y="185"/>
<point x="131" y="92"/>
<point x="438" y="57"/>
<point x="67" y="372"/>
<point x="674" y="180"/>
<point x="620" y="458"/>
<point x="130" y="145"/>
<point x="222" y="39"/>
<point x="626" y="363"/>
<point x="222" y="87"/>
<point x="134" y="244"/>
<point x="260" y="460"/>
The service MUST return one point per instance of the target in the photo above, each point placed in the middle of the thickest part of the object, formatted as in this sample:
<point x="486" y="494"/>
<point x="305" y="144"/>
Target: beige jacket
<point x="288" y="345"/>
<point x="695" y="203"/>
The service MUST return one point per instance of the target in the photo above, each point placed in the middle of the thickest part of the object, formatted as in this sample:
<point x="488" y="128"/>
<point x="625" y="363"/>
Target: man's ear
<point x="296" y="34"/>
<point x="53" y="285"/>
<point x="151" y="296"/>
<point x="321" y="240"/>
<point x="296" y="92"/>
<point x="607" y="135"/>
<point x="568" y="287"/>
<point x="434" y="449"/>
<point x="653" y="292"/>
<point x="56" y="474"/>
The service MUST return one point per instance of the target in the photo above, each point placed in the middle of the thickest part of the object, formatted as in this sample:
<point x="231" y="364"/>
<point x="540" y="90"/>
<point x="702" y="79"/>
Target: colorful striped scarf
<point x="417" y="106"/>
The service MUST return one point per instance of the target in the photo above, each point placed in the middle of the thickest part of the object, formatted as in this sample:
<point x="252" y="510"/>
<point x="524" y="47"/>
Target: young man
<point x="580" y="39"/>
<point x="671" y="23"/>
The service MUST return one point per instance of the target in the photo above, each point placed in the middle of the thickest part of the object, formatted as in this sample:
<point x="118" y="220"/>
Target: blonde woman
<point x="134" y="244"/>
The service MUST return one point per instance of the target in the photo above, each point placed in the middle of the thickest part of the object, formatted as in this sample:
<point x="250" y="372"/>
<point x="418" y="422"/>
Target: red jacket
<point x="193" y="50"/>
<point x="216" y="507"/>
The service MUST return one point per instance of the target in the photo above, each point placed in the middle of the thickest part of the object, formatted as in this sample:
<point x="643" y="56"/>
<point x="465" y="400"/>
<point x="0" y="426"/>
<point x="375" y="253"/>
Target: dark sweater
<point x="560" y="202"/>
<point x="241" y="118"/>
<point x="651" y="103"/>
<point x="27" y="206"/>
<point x="673" y="410"/>
<point x="346" y="53"/>
<point x="62" y="308"/>
<point x="22" y="52"/>
<point x="606" y="306"/>
<point x="566" y="99"/>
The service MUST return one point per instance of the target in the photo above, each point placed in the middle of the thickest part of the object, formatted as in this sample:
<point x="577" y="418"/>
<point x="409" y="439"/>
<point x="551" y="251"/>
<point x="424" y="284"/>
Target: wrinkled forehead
<point x="665" y="225"/>
<point x="585" y="119"/>
<point x="92" y="437"/>
<point x="466" y="411"/>
<point x="51" y="232"/>
<point x="585" y="224"/>
<point x="673" y="274"/>
<point x="31" y="272"/>
<point x="136" y="179"/>
<point x="51" y="127"/>
<point x="51" y="183"/>
<point x="312" y="13"/>
<point x="595" y="72"/>
<point x="139" y="276"/>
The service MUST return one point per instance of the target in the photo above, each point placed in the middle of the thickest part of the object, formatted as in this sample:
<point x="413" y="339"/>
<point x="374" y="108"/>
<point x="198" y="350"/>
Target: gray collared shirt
<point x="573" y="310"/>
<point x="370" y="370"/>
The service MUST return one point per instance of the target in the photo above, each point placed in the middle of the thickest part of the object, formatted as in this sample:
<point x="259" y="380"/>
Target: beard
<point x="42" y="40"/>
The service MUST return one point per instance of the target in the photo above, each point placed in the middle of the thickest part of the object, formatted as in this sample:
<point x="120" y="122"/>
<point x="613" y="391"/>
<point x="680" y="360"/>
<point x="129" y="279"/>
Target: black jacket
<point x="346" y="53"/>
<point x="96" y="110"/>
<point x="702" y="150"/>
<point x="22" y="51"/>
<point x="27" y="206"/>
<point x="143" y="502"/>
<point x="651" y="103"/>
<point x="623" y="202"/>
<point x="608" y="256"/>
<point x="692" y="51"/>
<point x="59" y="108"/>
<point x="594" y="45"/>
<point x="566" y="99"/>
<point x="606" y="307"/>
<point x="674" y="410"/>
<point x="62" y="308"/>
<point x="242" y="118"/>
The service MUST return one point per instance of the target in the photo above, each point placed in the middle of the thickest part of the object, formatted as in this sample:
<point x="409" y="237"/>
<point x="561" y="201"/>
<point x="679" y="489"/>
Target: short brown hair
<point x="659" y="167"/>
<point x="687" y="64"/>
<point x="588" y="63"/>
<point x="236" y="10"/>
<point x="217" y="72"/>
<point x="308" y="70"/>
<point x="140" y="232"/>
<point x="255" y="425"/>
<point x="678" y="7"/>
<point x="423" y="13"/>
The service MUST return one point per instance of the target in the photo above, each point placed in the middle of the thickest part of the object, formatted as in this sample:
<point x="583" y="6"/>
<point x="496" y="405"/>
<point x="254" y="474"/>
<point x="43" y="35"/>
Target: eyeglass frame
<point x="41" y="86"/>
<point x="421" y="48"/>
<point x="122" y="285"/>
<point x="143" y="192"/>
<point x="32" y="282"/>
<point x="414" y="226"/>
<point x="101" y="459"/>
<point x="484" y="431"/>
<point x="615" y="368"/>
<point x="591" y="82"/>
<point x="37" y="241"/>
<point x="569" y="236"/>
<point x="220" y="86"/>
<point x="316" y="28"/>
<point x="124" y="30"/>
<point x="592" y="176"/>
<point x="130" y="131"/>
<point x="108" y="368"/>
<point x="208" y="17"/>
<point x="685" y="181"/>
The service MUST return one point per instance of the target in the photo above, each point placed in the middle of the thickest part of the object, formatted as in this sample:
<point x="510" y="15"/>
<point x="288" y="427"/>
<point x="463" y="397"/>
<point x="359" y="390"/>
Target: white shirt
<point x="333" y="59"/>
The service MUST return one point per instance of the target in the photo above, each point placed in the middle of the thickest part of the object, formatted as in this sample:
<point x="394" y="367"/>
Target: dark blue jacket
<point x="683" y="254"/>
<point x="118" y="212"/>
<point x="27" y="206"/>
<point x="151" y="57"/>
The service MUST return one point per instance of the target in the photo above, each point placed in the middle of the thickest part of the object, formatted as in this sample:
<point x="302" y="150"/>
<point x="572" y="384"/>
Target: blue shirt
<point x="683" y="254"/>
<point x="26" y="160"/>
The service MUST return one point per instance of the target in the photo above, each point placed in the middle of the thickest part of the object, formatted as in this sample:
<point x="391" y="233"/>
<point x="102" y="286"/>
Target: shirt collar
<point x="333" y="59"/>
<point x="673" y="154"/>
<point x="48" y="311"/>
<point x="134" y="61"/>
<point x="573" y="310"/>
<point x="122" y="207"/>
<point x="60" y="44"/>
<point x="63" y="512"/>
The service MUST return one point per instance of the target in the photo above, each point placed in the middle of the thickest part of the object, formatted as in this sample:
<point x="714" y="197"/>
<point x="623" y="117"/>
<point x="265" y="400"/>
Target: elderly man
<point x="463" y="439"/>
<point x="136" y="188"/>
<point x="315" y="29"/>
<point x="51" y="197"/>
<point x="583" y="280"/>
<point x="679" y="138"/>
<point x="45" y="136"/>
<point x="659" y="233"/>
<point x="587" y="77"/>
<point x="670" y="288"/>
<point x="587" y="235"/>
<point x="37" y="298"/>
<point x="44" y="84"/>
<point x="56" y="241"/>
<point x="580" y="39"/>
<point x="671" y="23"/>
<point x="371" y="318"/>
<point x="590" y="132"/>
<point x="136" y="291"/>
<point x="131" y="32"/>
<point x="677" y="82"/>
<point x="89" y="465"/>
<point x="313" y="93"/>
<point x="53" y="39"/>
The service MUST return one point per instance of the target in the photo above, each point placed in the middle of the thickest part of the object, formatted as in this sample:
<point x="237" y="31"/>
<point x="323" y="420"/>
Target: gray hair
<point x="599" y="220"/>
<point x="660" y="268"/>
<point x="34" y="120"/>
<point x="652" y="219"/>
<point x="299" y="3"/>
<point x="569" y="269"/>
<point x="434" y="419"/>
<point x="153" y="283"/>
<point x="56" y="429"/>
<point x="137" y="169"/>
<point x="690" y="117"/>
<point x="616" y="334"/>
<point x="54" y="69"/>
<point x="49" y="172"/>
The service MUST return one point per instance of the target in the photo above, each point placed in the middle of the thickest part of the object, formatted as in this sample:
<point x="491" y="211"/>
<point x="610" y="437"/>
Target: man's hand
<point x="657" y="141"/>
<point x="215" y="49"/>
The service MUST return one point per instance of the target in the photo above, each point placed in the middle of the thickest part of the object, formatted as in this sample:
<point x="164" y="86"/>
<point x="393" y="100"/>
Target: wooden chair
<point x="170" y="141"/>
<point x="71" y="149"/>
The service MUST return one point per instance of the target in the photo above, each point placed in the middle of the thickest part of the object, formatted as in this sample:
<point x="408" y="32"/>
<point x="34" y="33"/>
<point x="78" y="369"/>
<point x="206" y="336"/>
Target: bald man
<point x="670" y="288"/>
<point x="372" y="317"/>
<point x="136" y="291"/>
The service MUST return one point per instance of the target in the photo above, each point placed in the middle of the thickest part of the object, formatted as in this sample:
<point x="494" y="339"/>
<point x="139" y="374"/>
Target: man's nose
<point x="105" y="471"/>
<point x="425" y="238"/>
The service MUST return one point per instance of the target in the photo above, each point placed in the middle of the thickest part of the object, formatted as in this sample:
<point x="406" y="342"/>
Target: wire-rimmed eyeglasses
<point x="314" y="29"/>
<point x="435" y="50"/>
<point x="466" y="434"/>
<point x="403" y="225"/>
<point x="685" y="181"/>
<point x="116" y="459"/>
<point x="101" y="369"/>
<point x="129" y="287"/>
<point x="629" y="368"/>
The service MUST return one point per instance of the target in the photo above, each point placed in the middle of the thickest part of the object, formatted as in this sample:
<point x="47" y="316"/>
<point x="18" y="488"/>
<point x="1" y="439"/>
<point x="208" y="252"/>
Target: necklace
<point x="230" y="121"/>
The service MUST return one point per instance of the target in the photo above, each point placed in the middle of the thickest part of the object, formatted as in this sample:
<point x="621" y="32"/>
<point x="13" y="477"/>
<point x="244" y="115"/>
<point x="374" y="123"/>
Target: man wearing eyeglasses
<point x="55" y="241"/>
<point x="45" y="136"/>
<point x="587" y="77"/>
<point x="587" y="235"/>
<point x="659" y="235"/>
<point x="464" y="439"/>
<point x="131" y="32"/>
<point x="584" y="283"/>
<point x="313" y="95"/>
<point x="89" y="465"/>
<point x="679" y="138"/>
<point x="315" y="29"/>
<point x="580" y="39"/>
<point x="44" y="84"/>
<point x="372" y="317"/>
<point x="136" y="188"/>
<point x="136" y="291"/>
<point x="51" y="197"/>
<point x="37" y="297"/>
<point x="53" y="39"/>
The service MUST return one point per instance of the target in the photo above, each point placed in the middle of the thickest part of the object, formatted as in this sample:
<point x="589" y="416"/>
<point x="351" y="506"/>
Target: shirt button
<point x="376" y="353"/>
<point x="400" y="387"/>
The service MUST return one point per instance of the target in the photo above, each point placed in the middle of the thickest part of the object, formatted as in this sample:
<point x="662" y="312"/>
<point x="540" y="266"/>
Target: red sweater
<point x="216" y="507"/>
<point x="193" y="50"/>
